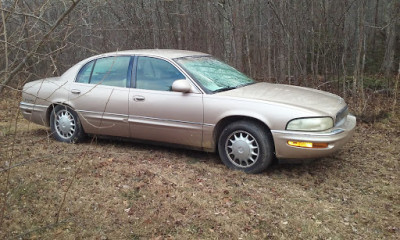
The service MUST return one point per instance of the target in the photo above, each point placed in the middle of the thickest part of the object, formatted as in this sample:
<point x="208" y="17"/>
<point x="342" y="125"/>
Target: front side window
<point x="110" y="71"/>
<point x="156" y="74"/>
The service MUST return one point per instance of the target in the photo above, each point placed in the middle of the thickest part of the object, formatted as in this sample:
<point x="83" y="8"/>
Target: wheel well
<point x="228" y="120"/>
<point x="50" y="108"/>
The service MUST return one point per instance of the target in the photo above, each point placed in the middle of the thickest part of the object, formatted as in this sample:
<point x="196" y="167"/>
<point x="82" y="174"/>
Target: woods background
<point x="343" y="46"/>
<point x="106" y="189"/>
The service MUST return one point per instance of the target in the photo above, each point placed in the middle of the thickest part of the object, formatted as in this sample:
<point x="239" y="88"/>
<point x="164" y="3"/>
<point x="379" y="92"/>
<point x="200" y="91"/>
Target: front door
<point x="158" y="114"/>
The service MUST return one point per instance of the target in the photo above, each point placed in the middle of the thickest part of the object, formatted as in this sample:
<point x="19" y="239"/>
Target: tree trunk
<point x="227" y="31"/>
<point x="388" y="61"/>
<point x="209" y="28"/>
<point x="373" y="37"/>
<point x="396" y="89"/>
<point x="269" y="42"/>
<point x="3" y="20"/>
<point x="155" y="28"/>
<point x="360" y="36"/>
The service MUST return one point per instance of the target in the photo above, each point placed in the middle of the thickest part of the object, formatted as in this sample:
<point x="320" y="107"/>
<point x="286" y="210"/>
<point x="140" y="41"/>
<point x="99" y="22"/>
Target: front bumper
<point x="335" y="138"/>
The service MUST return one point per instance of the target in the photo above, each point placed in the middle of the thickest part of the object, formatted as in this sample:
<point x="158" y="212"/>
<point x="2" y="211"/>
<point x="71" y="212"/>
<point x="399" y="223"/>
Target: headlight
<point x="310" y="124"/>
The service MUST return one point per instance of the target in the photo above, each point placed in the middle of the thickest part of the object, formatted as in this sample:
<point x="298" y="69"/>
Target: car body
<point x="189" y="99"/>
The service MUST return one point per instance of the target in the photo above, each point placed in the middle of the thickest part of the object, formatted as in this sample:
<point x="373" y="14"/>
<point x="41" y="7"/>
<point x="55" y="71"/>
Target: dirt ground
<point x="108" y="189"/>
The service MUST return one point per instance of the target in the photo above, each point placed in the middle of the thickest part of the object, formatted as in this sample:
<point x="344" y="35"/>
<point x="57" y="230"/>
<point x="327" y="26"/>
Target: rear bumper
<point x="335" y="138"/>
<point x="34" y="112"/>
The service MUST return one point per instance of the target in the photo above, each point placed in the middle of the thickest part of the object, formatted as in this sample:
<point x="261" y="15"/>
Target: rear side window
<point x="84" y="73"/>
<point x="110" y="71"/>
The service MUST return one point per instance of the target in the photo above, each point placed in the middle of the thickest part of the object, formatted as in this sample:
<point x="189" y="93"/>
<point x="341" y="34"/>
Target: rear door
<point x="157" y="113"/>
<point x="100" y="95"/>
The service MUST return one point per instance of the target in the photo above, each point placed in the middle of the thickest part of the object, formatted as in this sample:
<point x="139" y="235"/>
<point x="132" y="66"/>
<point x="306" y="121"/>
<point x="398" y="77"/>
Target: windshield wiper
<point x="223" y="89"/>
<point x="230" y="88"/>
<point x="244" y="84"/>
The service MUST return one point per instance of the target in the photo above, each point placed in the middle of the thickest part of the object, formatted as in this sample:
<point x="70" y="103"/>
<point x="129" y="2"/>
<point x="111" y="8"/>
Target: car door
<point x="100" y="95"/>
<point x="157" y="113"/>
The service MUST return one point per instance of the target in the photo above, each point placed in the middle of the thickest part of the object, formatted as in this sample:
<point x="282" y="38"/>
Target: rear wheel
<point x="65" y="125"/>
<point x="246" y="146"/>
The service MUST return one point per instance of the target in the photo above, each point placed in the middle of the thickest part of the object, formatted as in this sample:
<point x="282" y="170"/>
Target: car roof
<point x="165" y="53"/>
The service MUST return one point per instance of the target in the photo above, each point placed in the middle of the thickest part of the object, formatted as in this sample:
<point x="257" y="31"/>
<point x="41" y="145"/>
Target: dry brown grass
<point x="123" y="190"/>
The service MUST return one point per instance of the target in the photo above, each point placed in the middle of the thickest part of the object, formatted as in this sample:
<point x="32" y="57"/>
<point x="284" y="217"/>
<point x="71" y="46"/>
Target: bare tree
<point x="392" y="15"/>
<point x="20" y="62"/>
<point x="313" y="43"/>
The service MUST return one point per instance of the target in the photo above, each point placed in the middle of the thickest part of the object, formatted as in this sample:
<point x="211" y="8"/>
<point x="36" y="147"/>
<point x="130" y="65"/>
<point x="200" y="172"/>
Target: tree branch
<point x="40" y="43"/>
<point x="27" y="15"/>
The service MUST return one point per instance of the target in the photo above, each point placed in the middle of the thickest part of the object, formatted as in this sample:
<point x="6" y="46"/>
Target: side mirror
<point x="181" y="85"/>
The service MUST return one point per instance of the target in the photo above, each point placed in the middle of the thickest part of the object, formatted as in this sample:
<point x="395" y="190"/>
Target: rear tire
<point x="246" y="146"/>
<point x="65" y="125"/>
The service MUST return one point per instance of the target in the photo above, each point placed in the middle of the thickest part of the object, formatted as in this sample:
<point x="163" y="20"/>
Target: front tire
<point x="246" y="146"/>
<point x="65" y="125"/>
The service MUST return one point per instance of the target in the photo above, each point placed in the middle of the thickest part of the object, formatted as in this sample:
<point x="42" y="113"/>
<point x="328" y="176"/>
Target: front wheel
<point x="246" y="146"/>
<point x="65" y="125"/>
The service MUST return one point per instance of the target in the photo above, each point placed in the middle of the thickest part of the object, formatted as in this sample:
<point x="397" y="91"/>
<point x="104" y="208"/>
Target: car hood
<point x="307" y="98"/>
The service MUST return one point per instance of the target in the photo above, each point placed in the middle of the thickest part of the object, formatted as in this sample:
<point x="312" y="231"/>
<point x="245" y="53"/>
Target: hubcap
<point x="242" y="149"/>
<point x="65" y="124"/>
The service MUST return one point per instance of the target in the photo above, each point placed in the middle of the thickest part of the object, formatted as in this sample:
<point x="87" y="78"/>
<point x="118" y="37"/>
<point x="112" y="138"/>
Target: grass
<point x="122" y="190"/>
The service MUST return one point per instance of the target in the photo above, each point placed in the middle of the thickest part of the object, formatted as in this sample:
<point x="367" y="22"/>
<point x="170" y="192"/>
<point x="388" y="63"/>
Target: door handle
<point x="76" y="91"/>
<point x="138" y="98"/>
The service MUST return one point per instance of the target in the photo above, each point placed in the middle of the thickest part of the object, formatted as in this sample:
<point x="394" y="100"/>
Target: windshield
<point x="214" y="75"/>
